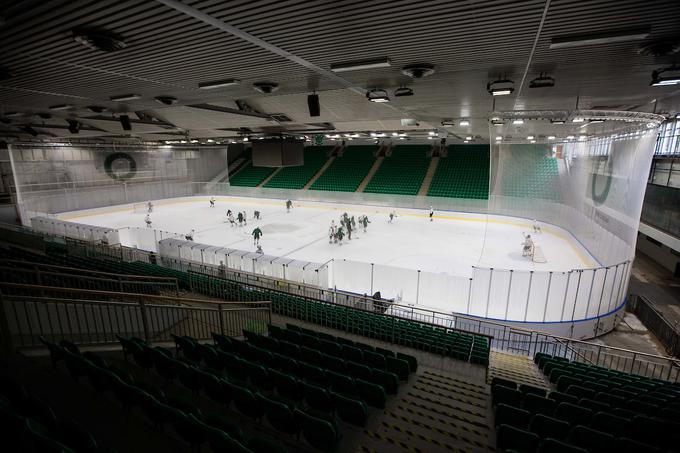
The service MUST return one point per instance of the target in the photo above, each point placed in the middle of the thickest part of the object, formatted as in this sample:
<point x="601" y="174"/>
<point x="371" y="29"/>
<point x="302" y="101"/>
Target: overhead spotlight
<point x="96" y="108"/>
<point x="671" y="76"/>
<point x="530" y="137"/>
<point x="557" y="121"/>
<point x="497" y="121"/>
<point x="570" y="137"/>
<point x="218" y="84"/>
<point x="465" y="141"/>
<point x="542" y="81"/>
<point x="102" y="40"/>
<point x="61" y="107"/>
<point x="551" y="137"/>
<point x="418" y="71"/>
<point x="377" y="95"/>
<point x="167" y="100"/>
<point x="29" y="130"/>
<point x="359" y="65"/>
<point x="448" y="123"/>
<point x="533" y="141"/>
<point x="431" y="133"/>
<point x="403" y="91"/>
<point x="518" y="121"/>
<point x="468" y="138"/>
<point x="73" y="126"/>
<point x="578" y="119"/>
<point x="499" y="138"/>
<point x="265" y="87"/>
<point x="125" y="97"/>
<point x="464" y="123"/>
<point x="125" y="122"/>
<point x="395" y="134"/>
<point x="595" y="121"/>
<point x="501" y="87"/>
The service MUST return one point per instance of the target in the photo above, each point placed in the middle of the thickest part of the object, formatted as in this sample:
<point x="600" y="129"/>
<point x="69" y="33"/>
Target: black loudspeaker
<point x="313" y="104"/>
<point x="125" y="122"/>
<point x="73" y="126"/>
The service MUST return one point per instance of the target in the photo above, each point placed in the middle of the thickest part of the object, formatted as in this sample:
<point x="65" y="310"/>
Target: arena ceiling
<point x="172" y="46"/>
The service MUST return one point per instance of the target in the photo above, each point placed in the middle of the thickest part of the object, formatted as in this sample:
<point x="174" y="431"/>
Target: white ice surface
<point x="452" y="243"/>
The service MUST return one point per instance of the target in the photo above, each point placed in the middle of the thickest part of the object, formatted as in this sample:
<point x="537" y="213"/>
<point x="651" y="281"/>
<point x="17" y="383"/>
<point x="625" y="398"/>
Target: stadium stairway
<point x="266" y="180"/>
<point x="376" y="165"/>
<point x="517" y="368"/>
<point x="431" y="169"/>
<point x="323" y="168"/>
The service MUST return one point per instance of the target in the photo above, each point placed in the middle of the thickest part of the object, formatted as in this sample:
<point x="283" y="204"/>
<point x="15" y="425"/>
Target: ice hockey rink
<point x="452" y="243"/>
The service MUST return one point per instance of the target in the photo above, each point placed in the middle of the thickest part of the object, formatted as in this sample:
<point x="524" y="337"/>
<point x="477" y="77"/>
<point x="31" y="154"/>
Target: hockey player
<point x="257" y="233"/>
<point x="256" y="214"/>
<point x="348" y="225"/>
<point x="289" y="205"/>
<point x="392" y="216"/>
<point x="230" y="218"/>
<point x="245" y="218"/>
<point x="527" y="245"/>
<point x="149" y="207"/>
<point x="331" y="232"/>
<point x="353" y="223"/>
<point x="239" y="216"/>
<point x="431" y="213"/>
<point x="259" y="250"/>
<point x="537" y="227"/>
<point x="339" y="234"/>
<point x="189" y="236"/>
<point x="147" y="220"/>
<point x="228" y="212"/>
<point x="212" y="202"/>
<point x="365" y="222"/>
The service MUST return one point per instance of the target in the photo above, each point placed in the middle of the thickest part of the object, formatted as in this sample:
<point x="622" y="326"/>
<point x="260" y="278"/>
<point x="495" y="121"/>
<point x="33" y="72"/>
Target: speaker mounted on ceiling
<point x="313" y="104"/>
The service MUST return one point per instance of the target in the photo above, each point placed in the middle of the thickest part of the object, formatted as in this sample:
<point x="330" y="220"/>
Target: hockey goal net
<point x="141" y="208"/>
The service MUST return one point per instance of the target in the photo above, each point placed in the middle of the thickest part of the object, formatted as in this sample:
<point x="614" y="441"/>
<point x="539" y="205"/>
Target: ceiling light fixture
<point x="557" y="121"/>
<point x="218" y="84"/>
<point x="125" y="97"/>
<point x="359" y="65"/>
<point x="518" y="121"/>
<point x="465" y="141"/>
<point x="499" y="138"/>
<point x="166" y="100"/>
<point x="61" y="107"/>
<point x="377" y="95"/>
<point x="533" y="141"/>
<point x="530" y="137"/>
<point x="551" y="137"/>
<point x="570" y="137"/>
<point x="468" y="138"/>
<point x="418" y="71"/>
<point x="501" y="87"/>
<point x="403" y="91"/>
<point x="578" y="119"/>
<point x="542" y="81"/>
<point x="431" y="133"/>
<point x="464" y="123"/>
<point x="266" y="87"/>
<point x="448" y="123"/>
<point x="671" y="77"/>
<point x="592" y="39"/>
<point x="102" y="40"/>
<point x="596" y="121"/>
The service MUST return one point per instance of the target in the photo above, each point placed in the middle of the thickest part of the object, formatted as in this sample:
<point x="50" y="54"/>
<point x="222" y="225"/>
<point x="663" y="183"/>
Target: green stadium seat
<point x="625" y="445"/>
<point x="509" y="415"/>
<point x="556" y="446"/>
<point x="592" y="440"/>
<point x="373" y="394"/>
<point x="350" y="410"/>
<point x="527" y="389"/>
<point x="547" y="427"/>
<point x="280" y="416"/>
<point x="517" y="439"/>
<point x="572" y="413"/>
<point x="536" y="404"/>
<point x="320" y="433"/>
<point x="501" y="394"/>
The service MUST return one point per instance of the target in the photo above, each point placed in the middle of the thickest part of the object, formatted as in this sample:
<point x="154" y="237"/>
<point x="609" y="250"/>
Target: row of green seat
<point x="402" y="172"/>
<point x="296" y="177"/>
<point x="530" y="173"/>
<point x="343" y="348"/>
<point x="347" y="171"/>
<point x="526" y="418"/>
<point x="464" y="173"/>
<point x="186" y="418"/>
<point x="31" y="424"/>
<point x="250" y="176"/>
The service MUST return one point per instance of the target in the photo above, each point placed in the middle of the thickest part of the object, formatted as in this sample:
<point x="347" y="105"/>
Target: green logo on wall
<point x="120" y="166"/>
<point x="601" y="183"/>
<point x="318" y="139"/>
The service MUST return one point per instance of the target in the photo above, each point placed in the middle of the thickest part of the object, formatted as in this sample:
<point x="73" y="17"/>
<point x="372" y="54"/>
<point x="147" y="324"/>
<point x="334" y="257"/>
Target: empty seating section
<point x="296" y="177"/>
<point x="347" y="171"/>
<point x="250" y="176"/>
<point x="464" y="173"/>
<point x="402" y="173"/>
<point x="530" y="174"/>
<point x="459" y="345"/>
<point x="594" y="409"/>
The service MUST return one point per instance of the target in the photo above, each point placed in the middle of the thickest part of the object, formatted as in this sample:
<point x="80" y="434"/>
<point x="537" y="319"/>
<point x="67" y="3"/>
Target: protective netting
<point x="75" y="230"/>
